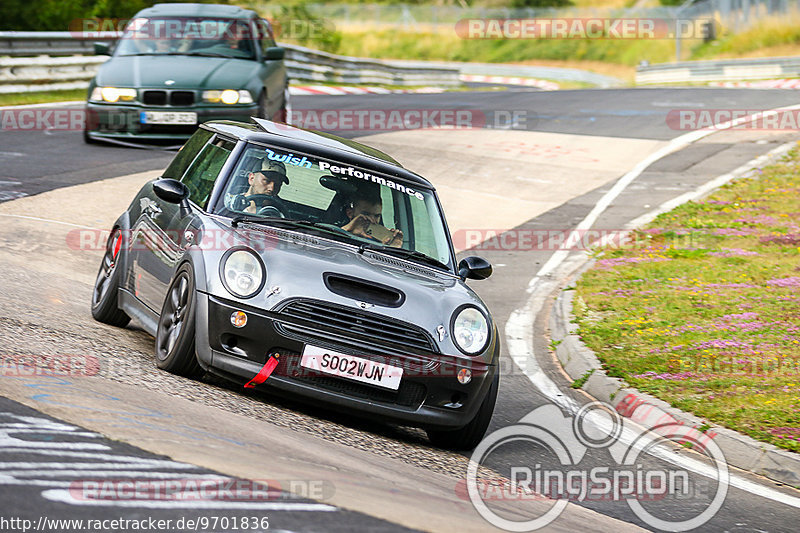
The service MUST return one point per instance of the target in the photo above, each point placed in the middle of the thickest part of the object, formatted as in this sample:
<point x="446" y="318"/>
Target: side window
<point x="426" y="239"/>
<point x="387" y="201"/>
<point x="200" y="177"/>
<point x="186" y="154"/>
<point x="265" y="36"/>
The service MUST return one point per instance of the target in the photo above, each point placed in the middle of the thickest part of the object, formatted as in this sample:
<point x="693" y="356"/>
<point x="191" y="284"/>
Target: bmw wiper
<point x="155" y="54"/>
<point x="211" y="54"/>
<point x="402" y="252"/>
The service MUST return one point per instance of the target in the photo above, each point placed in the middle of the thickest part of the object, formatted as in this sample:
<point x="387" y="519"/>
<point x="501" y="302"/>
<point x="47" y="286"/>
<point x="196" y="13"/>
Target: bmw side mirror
<point x="101" y="49"/>
<point x="474" y="267"/>
<point x="174" y="192"/>
<point x="274" y="53"/>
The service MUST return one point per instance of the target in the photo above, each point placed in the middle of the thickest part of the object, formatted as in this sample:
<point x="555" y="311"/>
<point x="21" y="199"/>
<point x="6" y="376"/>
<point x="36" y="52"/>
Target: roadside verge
<point x="583" y="366"/>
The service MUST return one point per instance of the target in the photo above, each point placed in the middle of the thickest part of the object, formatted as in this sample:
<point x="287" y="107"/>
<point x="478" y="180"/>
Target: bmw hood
<point x="186" y="71"/>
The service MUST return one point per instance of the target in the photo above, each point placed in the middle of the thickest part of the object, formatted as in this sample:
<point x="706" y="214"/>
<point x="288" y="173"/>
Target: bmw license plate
<point x="167" y="117"/>
<point x="348" y="366"/>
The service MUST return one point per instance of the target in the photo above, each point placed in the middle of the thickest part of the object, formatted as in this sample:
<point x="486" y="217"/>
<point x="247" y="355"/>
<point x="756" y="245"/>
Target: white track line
<point x="64" y="496"/>
<point x="49" y="220"/>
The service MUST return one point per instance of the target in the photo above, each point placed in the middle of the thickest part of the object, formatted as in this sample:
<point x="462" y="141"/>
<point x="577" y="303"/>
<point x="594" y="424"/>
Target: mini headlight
<point x="470" y="330"/>
<point x="242" y="273"/>
<point x="228" y="96"/>
<point x="113" y="94"/>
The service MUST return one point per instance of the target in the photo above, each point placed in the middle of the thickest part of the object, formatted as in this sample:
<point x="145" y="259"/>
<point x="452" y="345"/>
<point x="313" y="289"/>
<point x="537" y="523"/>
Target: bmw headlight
<point x="470" y="330"/>
<point x="242" y="273"/>
<point x="228" y="96"/>
<point x="112" y="94"/>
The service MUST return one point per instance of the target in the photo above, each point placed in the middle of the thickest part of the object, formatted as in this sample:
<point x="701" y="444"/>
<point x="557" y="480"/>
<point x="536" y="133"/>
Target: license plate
<point x="167" y="117"/>
<point x="350" y="367"/>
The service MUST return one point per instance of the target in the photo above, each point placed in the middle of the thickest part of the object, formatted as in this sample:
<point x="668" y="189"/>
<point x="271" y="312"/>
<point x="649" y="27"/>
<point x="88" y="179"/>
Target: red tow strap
<point x="264" y="373"/>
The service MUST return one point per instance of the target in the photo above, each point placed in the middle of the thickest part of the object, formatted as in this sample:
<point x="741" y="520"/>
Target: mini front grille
<point x="355" y="328"/>
<point x="409" y="394"/>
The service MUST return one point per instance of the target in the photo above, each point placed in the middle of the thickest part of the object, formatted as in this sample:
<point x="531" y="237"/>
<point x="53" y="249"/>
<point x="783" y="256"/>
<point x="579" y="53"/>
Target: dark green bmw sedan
<point x="179" y="65"/>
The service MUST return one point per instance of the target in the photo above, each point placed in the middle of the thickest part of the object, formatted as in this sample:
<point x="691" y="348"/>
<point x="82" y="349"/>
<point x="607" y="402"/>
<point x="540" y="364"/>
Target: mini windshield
<point x="188" y="36"/>
<point x="341" y="201"/>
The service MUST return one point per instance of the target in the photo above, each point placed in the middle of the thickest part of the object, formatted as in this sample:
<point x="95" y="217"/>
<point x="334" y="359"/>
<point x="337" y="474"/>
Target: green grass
<point x="769" y="34"/>
<point x="581" y="381"/>
<point x="394" y="44"/>
<point x="42" y="97"/>
<point x="702" y="311"/>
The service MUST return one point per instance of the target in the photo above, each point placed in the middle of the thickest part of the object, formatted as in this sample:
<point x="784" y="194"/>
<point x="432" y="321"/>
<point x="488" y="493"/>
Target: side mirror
<point x="170" y="190"/>
<point x="102" y="49"/>
<point x="274" y="53"/>
<point x="474" y="267"/>
<point x="174" y="192"/>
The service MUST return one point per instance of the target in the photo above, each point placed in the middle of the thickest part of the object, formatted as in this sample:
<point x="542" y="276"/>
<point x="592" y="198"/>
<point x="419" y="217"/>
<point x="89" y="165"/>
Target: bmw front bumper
<point x="123" y="122"/>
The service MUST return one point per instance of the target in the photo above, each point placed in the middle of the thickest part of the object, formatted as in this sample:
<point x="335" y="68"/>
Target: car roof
<point x="319" y="143"/>
<point x="196" y="10"/>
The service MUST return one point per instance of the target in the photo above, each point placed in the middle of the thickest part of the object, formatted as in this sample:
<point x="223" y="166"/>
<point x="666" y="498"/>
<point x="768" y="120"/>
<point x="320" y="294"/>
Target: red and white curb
<point x="511" y="80"/>
<point x="764" y="84"/>
<point x="310" y="90"/>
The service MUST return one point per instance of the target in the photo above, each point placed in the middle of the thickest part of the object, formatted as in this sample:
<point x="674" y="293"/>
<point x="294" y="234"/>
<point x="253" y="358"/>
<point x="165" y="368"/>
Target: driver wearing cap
<point x="267" y="181"/>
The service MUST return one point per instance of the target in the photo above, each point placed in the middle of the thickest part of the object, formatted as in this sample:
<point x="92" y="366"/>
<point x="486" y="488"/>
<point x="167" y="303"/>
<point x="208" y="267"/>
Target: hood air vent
<point x="363" y="291"/>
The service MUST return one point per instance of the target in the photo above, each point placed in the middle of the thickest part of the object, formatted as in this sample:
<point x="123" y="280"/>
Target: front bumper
<point x="429" y="395"/>
<point x="122" y="122"/>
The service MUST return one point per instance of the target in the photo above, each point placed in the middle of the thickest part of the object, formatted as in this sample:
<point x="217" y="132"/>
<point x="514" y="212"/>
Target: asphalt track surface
<point x="33" y="162"/>
<point x="45" y="458"/>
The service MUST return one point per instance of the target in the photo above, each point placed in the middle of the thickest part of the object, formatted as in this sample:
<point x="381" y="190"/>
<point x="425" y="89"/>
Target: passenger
<point x="365" y="221"/>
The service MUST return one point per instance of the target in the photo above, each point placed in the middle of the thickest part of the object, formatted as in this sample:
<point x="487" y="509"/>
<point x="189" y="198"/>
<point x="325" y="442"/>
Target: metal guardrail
<point x="719" y="70"/>
<point x="62" y="61"/>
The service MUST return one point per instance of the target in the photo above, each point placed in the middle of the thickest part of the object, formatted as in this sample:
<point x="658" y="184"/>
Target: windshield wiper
<point x="211" y="54"/>
<point x="402" y="252"/>
<point x="154" y="54"/>
<point x="308" y="224"/>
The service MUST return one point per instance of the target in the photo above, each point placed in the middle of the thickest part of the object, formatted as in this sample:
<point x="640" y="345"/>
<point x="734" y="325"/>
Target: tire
<point x="175" y="351"/>
<point x="87" y="139"/>
<point x="105" y="298"/>
<point x="263" y="111"/>
<point x="285" y="112"/>
<point x="282" y="114"/>
<point x="467" y="437"/>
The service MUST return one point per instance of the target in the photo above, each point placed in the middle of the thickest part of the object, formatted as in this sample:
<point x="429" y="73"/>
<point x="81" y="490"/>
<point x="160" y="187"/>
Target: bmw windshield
<point x="187" y="36"/>
<point x="341" y="201"/>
